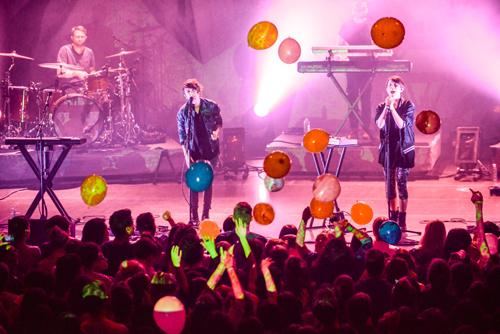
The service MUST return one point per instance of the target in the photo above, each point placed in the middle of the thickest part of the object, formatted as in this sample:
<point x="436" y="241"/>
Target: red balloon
<point x="263" y="214"/>
<point x="262" y="35"/>
<point x="316" y="140"/>
<point x="277" y="164"/>
<point x="361" y="213"/>
<point x="388" y="33"/>
<point x="289" y="51"/>
<point x="326" y="188"/>
<point x="321" y="210"/>
<point x="428" y="122"/>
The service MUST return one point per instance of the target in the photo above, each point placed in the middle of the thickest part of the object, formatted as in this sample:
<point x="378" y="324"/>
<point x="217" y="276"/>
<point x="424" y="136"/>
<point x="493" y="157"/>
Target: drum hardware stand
<point x="6" y="83"/>
<point x="127" y="121"/>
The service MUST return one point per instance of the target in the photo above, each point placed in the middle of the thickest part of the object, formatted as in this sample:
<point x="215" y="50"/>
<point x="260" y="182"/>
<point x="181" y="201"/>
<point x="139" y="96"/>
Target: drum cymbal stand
<point x="127" y="126"/>
<point x="11" y="131"/>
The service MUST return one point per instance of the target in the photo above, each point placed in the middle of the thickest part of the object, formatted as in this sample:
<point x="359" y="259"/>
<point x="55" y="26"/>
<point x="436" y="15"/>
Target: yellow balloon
<point x="262" y="35"/>
<point x="93" y="190"/>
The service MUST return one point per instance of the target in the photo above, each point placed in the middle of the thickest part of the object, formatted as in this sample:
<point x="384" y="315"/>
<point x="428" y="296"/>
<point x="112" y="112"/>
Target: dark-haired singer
<point x="204" y="145"/>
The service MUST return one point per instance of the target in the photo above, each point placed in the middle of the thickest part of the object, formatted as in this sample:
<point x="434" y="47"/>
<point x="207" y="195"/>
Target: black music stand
<point x="45" y="181"/>
<point x="325" y="166"/>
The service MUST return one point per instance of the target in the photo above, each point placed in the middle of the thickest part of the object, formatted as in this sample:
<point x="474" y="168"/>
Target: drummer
<point x="76" y="53"/>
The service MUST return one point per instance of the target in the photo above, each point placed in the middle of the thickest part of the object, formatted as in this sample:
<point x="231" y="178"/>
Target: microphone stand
<point x="188" y="150"/>
<point x="44" y="157"/>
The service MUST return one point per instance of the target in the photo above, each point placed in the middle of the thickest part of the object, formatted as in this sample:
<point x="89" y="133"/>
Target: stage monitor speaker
<point x="233" y="148"/>
<point x="467" y="144"/>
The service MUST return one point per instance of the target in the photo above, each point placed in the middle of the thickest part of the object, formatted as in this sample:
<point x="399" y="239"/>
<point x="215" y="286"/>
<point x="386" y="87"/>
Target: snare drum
<point x="96" y="82"/>
<point x="76" y="115"/>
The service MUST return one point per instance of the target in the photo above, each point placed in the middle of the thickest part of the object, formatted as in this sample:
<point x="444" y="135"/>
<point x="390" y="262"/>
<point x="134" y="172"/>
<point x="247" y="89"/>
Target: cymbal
<point x="57" y="66"/>
<point x="15" y="55"/>
<point x="147" y="28"/>
<point x="123" y="53"/>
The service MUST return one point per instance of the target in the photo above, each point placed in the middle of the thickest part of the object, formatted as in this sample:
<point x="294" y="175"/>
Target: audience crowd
<point x="242" y="282"/>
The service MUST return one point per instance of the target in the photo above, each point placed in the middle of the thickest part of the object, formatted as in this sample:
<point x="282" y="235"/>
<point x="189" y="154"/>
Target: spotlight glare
<point x="261" y="110"/>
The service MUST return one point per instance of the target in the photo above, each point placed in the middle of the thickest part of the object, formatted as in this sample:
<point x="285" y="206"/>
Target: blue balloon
<point x="274" y="185"/>
<point x="390" y="232"/>
<point x="199" y="176"/>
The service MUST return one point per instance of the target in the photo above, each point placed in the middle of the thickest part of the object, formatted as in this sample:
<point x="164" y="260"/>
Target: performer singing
<point x="396" y="115"/>
<point x="75" y="54"/>
<point x="203" y="128"/>
<point x="356" y="31"/>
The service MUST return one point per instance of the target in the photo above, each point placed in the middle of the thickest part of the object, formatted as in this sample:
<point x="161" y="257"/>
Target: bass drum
<point x="75" y="115"/>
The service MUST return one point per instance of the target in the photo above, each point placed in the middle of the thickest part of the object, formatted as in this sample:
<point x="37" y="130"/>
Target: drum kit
<point x="101" y="111"/>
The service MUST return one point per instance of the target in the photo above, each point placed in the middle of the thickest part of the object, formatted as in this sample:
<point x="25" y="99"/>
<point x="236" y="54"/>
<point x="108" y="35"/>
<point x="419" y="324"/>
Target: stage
<point x="438" y="197"/>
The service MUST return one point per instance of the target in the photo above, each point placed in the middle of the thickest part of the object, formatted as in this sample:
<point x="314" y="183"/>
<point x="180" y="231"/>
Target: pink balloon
<point x="326" y="188"/>
<point x="169" y="315"/>
<point x="289" y="51"/>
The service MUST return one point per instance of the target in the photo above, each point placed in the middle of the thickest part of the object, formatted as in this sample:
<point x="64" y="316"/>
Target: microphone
<point x="190" y="102"/>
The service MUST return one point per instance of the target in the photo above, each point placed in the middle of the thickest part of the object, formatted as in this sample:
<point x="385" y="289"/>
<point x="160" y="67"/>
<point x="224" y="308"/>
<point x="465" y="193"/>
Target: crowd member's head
<point x="405" y="255"/>
<point x="8" y="255"/>
<point x="95" y="230"/>
<point x="243" y="211"/>
<point x="490" y="227"/>
<point x="122" y="224"/>
<point x="147" y="251"/>
<point x="4" y="276"/>
<point x="435" y="319"/>
<point x="344" y="286"/>
<point x="374" y="263"/>
<point x="163" y="284"/>
<point x="67" y="323"/>
<point x="288" y="229"/>
<point x="461" y="278"/>
<point x="432" y="242"/>
<point x="122" y="302"/>
<point x="336" y="260"/>
<point x="68" y="267"/>
<point x="92" y="258"/>
<point x="139" y="285"/>
<point x="60" y="221"/>
<point x="146" y="223"/>
<point x="456" y="240"/>
<point x="192" y="250"/>
<point x="292" y="308"/>
<point x="19" y="228"/>
<point x="57" y="238"/>
<point x="439" y="275"/>
<point x="296" y="276"/>
<point x="39" y="279"/>
<point x="290" y="244"/>
<point x="321" y="240"/>
<point x="404" y="294"/>
<point x="228" y="224"/>
<point x="94" y="298"/>
<point x="376" y="227"/>
<point x="359" y="309"/>
<point x="271" y="316"/>
<point x="325" y="309"/>
<point x="75" y="296"/>
<point x="396" y="268"/>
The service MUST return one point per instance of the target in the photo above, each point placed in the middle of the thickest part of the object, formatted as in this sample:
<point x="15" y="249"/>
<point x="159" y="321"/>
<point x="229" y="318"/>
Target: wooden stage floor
<point x="442" y="198"/>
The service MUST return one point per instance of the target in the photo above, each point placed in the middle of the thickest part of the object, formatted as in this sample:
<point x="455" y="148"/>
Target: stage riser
<point x="80" y="163"/>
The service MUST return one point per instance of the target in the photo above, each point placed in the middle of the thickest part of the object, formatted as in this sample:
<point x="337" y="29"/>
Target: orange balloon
<point x="428" y="122"/>
<point x="326" y="188"/>
<point x="361" y="213"/>
<point x="316" y="140"/>
<point x="209" y="228"/>
<point x="277" y="164"/>
<point x="388" y="33"/>
<point x="93" y="189"/>
<point x="321" y="210"/>
<point x="262" y="35"/>
<point x="263" y="213"/>
<point x="289" y="51"/>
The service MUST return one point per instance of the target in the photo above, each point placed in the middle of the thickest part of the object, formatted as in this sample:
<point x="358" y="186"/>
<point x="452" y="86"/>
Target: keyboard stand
<point x="325" y="166"/>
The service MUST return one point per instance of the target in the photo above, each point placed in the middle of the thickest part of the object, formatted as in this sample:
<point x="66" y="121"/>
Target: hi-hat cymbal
<point x="15" y="55"/>
<point x="123" y="53"/>
<point x="57" y="66"/>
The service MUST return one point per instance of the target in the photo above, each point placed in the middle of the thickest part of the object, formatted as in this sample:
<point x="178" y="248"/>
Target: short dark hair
<point x="146" y="223"/>
<point x="359" y="308"/>
<point x="397" y="79"/>
<point x="288" y="229"/>
<point x="57" y="220"/>
<point x="18" y="226"/>
<point x="89" y="253"/>
<point x="94" y="230"/>
<point x="374" y="262"/>
<point x="119" y="221"/>
<point x="228" y="224"/>
<point x="193" y="84"/>
<point x="144" y="248"/>
<point x="192" y="250"/>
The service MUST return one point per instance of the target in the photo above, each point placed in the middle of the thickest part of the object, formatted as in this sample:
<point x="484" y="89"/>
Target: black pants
<point x="402" y="181"/>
